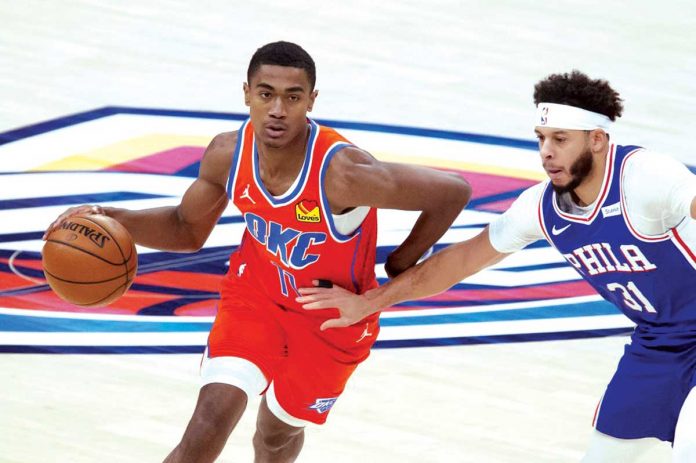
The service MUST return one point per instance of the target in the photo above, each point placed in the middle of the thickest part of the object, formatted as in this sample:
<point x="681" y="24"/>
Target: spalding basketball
<point x="90" y="260"/>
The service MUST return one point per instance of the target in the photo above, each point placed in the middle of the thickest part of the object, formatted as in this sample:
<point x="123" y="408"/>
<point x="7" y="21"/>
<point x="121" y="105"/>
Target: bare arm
<point x="355" y="178"/>
<point x="432" y="276"/>
<point x="184" y="227"/>
<point x="693" y="209"/>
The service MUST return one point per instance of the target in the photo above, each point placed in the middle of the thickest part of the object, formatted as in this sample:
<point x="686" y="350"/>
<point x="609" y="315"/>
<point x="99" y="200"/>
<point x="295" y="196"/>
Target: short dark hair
<point x="283" y="54"/>
<point x="577" y="89"/>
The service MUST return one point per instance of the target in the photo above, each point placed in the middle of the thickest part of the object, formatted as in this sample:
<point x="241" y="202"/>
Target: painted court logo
<point x="307" y="210"/>
<point x="170" y="307"/>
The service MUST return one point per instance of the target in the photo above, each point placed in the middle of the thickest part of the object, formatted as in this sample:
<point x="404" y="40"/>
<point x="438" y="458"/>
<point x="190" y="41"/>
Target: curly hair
<point x="577" y="89"/>
<point x="283" y="54"/>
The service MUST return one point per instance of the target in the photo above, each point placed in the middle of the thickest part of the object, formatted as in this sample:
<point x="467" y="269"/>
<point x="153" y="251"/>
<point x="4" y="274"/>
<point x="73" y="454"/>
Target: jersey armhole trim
<point x="234" y="167"/>
<point x="335" y="234"/>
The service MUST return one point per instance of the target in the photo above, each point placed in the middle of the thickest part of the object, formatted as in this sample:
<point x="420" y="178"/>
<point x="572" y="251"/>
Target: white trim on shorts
<point x="281" y="414"/>
<point x="234" y="371"/>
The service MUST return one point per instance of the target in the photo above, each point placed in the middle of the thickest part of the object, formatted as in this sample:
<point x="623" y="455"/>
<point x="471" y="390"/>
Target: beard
<point x="580" y="169"/>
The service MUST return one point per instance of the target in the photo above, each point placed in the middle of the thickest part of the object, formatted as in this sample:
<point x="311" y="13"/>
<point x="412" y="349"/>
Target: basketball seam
<point x="84" y="282"/>
<point x="103" y="298"/>
<point x="125" y="262"/>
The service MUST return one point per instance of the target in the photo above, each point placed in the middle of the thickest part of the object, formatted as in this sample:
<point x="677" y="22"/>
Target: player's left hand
<point x="351" y="307"/>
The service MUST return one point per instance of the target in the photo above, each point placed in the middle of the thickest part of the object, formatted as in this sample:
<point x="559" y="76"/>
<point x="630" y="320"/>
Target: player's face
<point x="279" y="98"/>
<point x="566" y="156"/>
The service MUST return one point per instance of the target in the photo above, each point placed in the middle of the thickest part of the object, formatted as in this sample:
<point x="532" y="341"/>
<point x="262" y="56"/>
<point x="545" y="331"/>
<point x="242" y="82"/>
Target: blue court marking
<point x="482" y="201"/>
<point x="529" y="268"/>
<point x="585" y="309"/>
<point x="392" y="344"/>
<point x="86" y="198"/>
<point x="38" y="349"/>
<point x="24" y="236"/>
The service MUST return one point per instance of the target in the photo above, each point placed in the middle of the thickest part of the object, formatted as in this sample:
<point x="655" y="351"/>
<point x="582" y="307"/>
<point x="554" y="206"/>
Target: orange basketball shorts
<point x="306" y="369"/>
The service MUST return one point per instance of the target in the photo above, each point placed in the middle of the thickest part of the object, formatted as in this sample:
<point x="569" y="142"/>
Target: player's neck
<point x="588" y="191"/>
<point x="279" y="160"/>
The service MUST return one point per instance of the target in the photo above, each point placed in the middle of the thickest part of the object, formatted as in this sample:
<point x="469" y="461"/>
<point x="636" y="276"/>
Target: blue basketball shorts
<point x="645" y="395"/>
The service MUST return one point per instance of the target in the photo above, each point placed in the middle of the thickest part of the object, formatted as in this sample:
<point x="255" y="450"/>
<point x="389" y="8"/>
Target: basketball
<point x="90" y="260"/>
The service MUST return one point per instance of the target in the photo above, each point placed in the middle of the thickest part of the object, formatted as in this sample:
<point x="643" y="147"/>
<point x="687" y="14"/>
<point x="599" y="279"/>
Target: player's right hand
<point x="73" y="211"/>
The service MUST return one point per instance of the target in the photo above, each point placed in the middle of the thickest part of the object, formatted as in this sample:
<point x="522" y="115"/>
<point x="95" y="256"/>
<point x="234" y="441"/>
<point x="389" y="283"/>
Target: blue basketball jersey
<point x="652" y="279"/>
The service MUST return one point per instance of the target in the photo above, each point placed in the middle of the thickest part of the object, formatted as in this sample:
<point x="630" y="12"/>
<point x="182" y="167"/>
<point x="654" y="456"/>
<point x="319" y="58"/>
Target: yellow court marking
<point x="146" y="145"/>
<point x="465" y="166"/>
<point x="123" y="151"/>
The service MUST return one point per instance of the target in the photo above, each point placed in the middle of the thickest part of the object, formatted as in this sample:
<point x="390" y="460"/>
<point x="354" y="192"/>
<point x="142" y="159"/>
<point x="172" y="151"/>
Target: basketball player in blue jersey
<point x="623" y="217"/>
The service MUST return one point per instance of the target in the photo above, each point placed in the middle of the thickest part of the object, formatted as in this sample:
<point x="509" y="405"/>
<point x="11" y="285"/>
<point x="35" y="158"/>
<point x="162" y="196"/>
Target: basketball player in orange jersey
<point x="308" y="198"/>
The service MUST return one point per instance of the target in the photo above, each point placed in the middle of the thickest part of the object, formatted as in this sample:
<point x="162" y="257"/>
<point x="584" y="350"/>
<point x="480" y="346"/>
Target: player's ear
<point x="247" y="91"/>
<point x="312" y="97"/>
<point x="598" y="138"/>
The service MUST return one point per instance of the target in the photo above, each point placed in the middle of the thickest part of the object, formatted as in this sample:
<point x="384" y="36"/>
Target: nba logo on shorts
<point x="323" y="405"/>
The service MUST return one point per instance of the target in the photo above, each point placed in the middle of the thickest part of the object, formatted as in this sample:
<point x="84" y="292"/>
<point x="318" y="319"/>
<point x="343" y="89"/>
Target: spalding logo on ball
<point x="90" y="260"/>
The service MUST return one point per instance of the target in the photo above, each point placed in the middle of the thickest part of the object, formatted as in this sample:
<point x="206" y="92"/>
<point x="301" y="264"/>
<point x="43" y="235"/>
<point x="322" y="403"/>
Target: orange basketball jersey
<point x="291" y="239"/>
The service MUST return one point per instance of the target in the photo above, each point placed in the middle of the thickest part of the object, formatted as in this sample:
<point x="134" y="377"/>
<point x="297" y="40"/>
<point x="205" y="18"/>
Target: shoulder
<point x="349" y="164"/>
<point x="530" y="197"/>
<point x="649" y="163"/>
<point x="657" y="170"/>
<point x="658" y="190"/>
<point x="518" y="226"/>
<point x="351" y="156"/>
<point x="222" y="143"/>
<point x="217" y="158"/>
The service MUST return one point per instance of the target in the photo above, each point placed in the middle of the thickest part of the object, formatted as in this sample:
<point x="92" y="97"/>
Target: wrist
<point x="374" y="299"/>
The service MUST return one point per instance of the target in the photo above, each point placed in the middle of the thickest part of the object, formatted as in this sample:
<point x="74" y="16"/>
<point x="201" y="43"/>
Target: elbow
<point x="195" y="244"/>
<point x="461" y="193"/>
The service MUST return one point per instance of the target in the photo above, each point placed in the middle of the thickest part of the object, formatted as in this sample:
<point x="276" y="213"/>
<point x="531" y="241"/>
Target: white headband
<point x="562" y="116"/>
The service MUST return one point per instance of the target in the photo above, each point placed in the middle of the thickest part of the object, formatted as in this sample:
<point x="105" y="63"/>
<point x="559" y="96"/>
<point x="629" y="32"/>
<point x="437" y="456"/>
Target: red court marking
<point x="198" y="309"/>
<point x="490" y="184"/>
<point x="129" y="304"/>
<point x="530" y="293"/>
<point x="183" y="280"/>
<point x="10" y="281"/>
<point x="497" y="206"/>
<point x="163" y="162"/>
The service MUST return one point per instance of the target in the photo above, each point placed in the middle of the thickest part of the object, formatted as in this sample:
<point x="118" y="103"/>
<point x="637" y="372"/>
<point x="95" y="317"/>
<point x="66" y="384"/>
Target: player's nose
<point x="545" y="150"/>
<point x="277" y="108"/>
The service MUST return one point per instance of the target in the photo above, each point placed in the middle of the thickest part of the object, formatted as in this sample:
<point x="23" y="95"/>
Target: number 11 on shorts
<point x="632" y="296"/>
